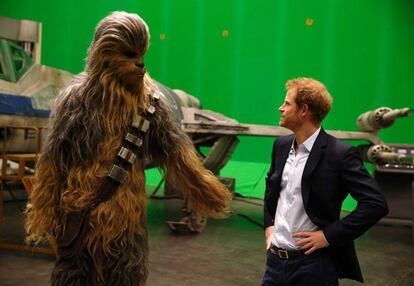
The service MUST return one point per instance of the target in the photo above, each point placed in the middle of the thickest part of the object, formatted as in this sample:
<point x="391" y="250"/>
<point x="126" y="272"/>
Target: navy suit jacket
<point x="333" y="170"/>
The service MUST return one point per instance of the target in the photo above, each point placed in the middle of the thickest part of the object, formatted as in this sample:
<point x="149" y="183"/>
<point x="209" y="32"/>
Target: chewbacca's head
<point x="117" y="50"/>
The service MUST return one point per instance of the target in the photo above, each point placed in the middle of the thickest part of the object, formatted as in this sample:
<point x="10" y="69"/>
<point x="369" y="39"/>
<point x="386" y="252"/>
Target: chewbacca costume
<point x="105" y="215"/>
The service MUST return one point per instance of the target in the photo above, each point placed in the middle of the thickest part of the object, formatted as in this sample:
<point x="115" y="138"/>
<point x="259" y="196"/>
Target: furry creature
<point x="88" y="123"/>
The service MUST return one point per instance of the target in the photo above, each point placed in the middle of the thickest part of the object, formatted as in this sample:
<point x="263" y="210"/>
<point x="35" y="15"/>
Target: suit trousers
<point x="315" y="269"/>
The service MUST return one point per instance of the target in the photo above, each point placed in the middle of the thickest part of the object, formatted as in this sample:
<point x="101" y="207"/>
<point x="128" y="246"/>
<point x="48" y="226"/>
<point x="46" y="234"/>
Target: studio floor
<point x="229" y="251"/>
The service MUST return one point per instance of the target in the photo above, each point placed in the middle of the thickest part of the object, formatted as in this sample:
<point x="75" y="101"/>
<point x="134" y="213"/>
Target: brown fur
<point x="88" y="124"/>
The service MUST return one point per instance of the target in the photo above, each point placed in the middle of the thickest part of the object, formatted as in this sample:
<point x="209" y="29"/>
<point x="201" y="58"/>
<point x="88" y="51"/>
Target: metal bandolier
<point x="75" y="224"/>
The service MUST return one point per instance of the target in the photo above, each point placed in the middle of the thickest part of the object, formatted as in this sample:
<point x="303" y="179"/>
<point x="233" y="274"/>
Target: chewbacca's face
<point x="127" y="66"/>
<point x="117" y="51"/>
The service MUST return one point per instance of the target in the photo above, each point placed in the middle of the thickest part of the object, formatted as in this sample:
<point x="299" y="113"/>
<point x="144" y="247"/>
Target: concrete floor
<point x="228" y="252"/>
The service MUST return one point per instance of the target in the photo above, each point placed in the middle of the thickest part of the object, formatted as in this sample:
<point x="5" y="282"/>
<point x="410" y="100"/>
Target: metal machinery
<point x="27" y="88"/>
<point x="27" y="91"/>
<point x="394" y="168"/>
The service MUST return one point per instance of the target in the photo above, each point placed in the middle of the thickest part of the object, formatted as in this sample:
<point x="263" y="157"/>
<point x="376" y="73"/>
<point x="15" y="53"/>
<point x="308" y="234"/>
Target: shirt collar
<point x="311" y="140"/>
<point x="308" y="144"/>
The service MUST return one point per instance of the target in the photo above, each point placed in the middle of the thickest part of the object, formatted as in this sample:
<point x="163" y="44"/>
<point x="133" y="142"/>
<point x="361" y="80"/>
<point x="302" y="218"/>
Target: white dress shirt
<point x="290" y="214"/>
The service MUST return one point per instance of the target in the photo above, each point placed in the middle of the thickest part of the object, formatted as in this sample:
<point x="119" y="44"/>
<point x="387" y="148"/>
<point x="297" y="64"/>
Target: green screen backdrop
<point x="236" y="55"/>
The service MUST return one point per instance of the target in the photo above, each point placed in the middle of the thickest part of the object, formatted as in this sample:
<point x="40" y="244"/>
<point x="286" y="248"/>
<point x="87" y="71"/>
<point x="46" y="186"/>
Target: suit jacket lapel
<point x="280" y="161"/>
<point x="274" y="179"/>
<point x="282" y="156"/>
<point x="314" y="157"/>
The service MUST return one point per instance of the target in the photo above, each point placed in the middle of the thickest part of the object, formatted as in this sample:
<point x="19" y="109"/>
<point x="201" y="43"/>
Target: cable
<point x="251" y="220"/>
<point x="239" y="197"/>
<point x="247" y="202"/>
<point x="244" y="199"/>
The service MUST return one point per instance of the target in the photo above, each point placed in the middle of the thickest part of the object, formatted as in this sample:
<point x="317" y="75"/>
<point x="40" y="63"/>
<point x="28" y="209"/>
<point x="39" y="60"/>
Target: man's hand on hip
<point x="268" y="235"/>
<point x="311" y="240"/>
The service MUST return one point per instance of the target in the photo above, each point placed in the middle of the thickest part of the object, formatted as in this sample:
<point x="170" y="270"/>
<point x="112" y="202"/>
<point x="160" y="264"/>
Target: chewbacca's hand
<point x="214" y="203"/>
<point x="223" y="212"/>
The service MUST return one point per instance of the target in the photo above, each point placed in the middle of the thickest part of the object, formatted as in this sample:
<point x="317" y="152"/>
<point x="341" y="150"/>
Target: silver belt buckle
<point x="283" y="254"/>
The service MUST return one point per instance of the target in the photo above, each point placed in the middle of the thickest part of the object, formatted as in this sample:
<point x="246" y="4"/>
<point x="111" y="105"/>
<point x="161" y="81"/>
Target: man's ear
<point x="305" y="109"/>
<point x="307" y="113"/>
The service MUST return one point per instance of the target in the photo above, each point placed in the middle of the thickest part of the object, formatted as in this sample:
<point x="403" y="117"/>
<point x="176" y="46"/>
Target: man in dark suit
<point x="310" y="176"/>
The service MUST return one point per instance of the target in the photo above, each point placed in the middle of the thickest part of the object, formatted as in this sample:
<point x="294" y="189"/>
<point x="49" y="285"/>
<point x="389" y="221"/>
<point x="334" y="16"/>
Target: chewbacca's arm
<point x="184" y="169"/>
<point x="41" y="216"/>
